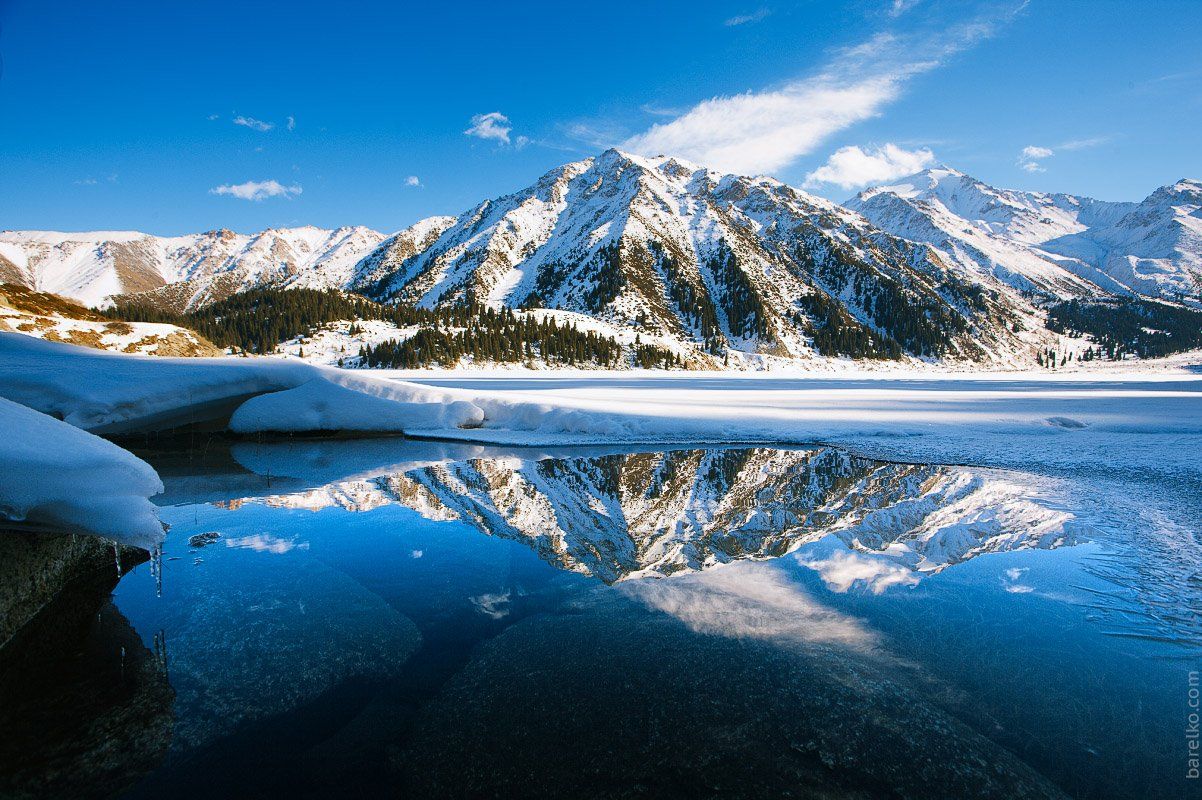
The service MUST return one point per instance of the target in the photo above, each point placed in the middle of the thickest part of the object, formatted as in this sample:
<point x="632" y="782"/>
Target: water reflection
<point x="686" y="622"/>
<point x="621" y="515"/>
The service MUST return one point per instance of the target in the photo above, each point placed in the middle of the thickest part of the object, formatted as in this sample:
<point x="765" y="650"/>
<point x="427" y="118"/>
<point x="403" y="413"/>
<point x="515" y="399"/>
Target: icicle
<point x="156" y="569"/>
<point x="160" y="649"/>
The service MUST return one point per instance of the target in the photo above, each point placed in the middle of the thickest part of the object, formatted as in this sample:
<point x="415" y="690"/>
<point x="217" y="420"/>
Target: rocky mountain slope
<point x="715" y="262"/>
<point x="181" y="272"/>
<point x="1060" y="245"/>
<point x="50" y="317"/>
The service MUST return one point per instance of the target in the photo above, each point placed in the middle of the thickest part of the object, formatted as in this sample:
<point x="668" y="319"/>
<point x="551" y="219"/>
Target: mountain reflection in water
<point x="621" y="515"/>
<point x="684" y="622"/>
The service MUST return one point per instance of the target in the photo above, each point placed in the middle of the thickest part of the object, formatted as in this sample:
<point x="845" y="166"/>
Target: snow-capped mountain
<point x="181" y="272"/>
<point x="1058" y="245"/>
<point x="719" y="261"/>
<point x="620" y="516"/>
<point x="714" y="268"/>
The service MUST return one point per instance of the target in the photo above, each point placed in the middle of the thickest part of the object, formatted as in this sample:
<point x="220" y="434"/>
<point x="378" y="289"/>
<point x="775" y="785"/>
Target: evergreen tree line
<point x="692" y="301"/>
<point x="500" y="337"/>
<point x="1051" y="359"/>
<point x="1145" y="328"/>
<point x="258" y="320"/>
<point x="911" y="322"/>
<point x="744" y="308"/>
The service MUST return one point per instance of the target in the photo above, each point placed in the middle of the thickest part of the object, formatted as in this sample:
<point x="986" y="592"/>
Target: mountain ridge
<point x="936" y="266"/>
<point x="1035" y="240"/>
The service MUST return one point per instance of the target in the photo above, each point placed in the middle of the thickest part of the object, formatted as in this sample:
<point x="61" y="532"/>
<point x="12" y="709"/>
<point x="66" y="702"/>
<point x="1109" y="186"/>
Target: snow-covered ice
<point x="323" y="405"/>
<point x="1121" y="424"/>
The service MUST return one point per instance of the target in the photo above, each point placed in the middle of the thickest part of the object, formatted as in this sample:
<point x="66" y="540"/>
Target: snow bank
<point x="58" y="477"/>
<point x="321" y="405"/>
<point x="109" y="393"/>
<point x="1149" y="424"/>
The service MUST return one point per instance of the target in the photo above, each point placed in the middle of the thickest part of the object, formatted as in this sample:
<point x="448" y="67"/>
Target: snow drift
<point x="323" y="405"/>
<point x="107" y="393"/>
<point x="57" y="477"/>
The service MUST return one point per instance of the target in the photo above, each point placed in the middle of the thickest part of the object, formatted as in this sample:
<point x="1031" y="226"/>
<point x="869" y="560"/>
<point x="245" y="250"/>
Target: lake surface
<point x="398" y="618"/>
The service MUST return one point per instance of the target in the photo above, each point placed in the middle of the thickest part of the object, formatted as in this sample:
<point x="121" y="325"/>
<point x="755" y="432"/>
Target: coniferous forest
<point x="1144" y="328"/>
<point x="258" y="320"/>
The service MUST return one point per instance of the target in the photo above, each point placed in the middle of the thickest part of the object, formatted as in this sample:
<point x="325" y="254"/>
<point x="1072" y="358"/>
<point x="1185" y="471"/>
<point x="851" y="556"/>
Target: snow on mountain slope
<point x="718" y="261"/>
<point x="1155" y="248"/>
<point x="1027" y="217"/>
<point x="183" y="271"/>
<point x="1060" y="245"/>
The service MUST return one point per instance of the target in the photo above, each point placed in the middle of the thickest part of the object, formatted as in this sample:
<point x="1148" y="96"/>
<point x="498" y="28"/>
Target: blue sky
<point x="179" y="117"/>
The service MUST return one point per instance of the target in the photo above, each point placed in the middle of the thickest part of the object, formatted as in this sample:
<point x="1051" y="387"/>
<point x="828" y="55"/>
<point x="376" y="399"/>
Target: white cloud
<point x="493" y="125"/>
<point x="291" y="125"/>
<point x="844" y="569"/>
<point x="413" y="180"/>
<point x="852" y="167"/>
<point x="1081" y="144"/>
<point x="900" y="7"/>
<point x="1031" y="155"/>
<point x="764" y="131"/>
<point x="212" y="117"/>
<point x="253" y="124"/>
<point x="90" y="181"/>
<point x="743" y="19"/>
<point x="257" y="190"/>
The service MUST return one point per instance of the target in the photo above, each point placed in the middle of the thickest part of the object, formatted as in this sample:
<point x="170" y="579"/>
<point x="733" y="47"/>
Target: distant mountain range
<point x="1055" y="244"/>
<point x="938" y="265"/>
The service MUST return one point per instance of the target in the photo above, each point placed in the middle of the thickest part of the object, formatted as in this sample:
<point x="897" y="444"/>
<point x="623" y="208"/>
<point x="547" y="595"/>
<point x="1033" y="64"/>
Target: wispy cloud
<point x="900" y="7"/>
<point x="660" y="111"/>
<point x="413" y="180"/>
<point x="1031" y="157"/>
<point x="291" y="123"/>
<point x="90" y="181"/>
<point x="1081" y="144"/>
<point x="257" y="190"/>
<point x="253" y="124"/>
<point x="744" y="19"/>
<point x="763" y="131"/>
<point x="493" y="125"/>
<point x="852" y="167"/>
